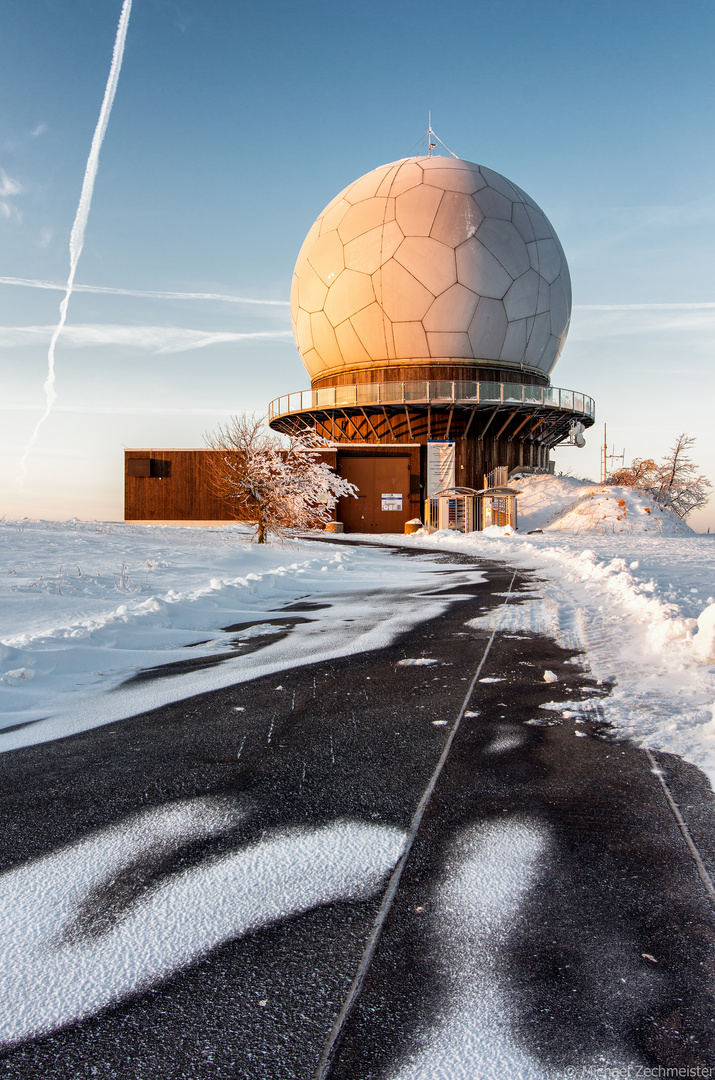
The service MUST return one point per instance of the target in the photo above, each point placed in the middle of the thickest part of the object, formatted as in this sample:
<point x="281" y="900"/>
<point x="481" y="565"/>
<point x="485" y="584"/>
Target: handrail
<point x="437" y="391"/>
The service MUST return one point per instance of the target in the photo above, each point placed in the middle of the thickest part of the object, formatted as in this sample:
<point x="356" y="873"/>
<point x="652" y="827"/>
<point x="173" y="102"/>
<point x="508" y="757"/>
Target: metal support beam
<point x="449" y="421"/>
<point x="429" y="421"/>
<point x="351" y="421"/>
<point x="505" y="424"/>
<point x="521" y="425"/>
<point x="469" y="422"/>
<point x="409" y="425"/>
<point x="389" y="423"/>
<point x="486" y="429"/>
<point x="371" y="424"/>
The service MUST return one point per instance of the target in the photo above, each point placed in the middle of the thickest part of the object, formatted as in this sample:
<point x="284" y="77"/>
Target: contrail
<point x="80" y="222"/>
<point x="151" y="294"/>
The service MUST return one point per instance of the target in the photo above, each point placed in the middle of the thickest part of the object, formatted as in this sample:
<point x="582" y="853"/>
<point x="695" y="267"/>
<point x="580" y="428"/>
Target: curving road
<point x="291" y="878"/>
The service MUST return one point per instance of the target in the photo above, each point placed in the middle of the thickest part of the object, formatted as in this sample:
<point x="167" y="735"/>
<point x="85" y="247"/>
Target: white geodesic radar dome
<point x="430" y="260"/>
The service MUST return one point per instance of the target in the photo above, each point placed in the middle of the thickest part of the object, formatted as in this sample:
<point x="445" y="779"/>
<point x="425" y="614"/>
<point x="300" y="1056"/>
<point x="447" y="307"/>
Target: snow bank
<point x="564" y="504"/>
<point x="641" y="606"/>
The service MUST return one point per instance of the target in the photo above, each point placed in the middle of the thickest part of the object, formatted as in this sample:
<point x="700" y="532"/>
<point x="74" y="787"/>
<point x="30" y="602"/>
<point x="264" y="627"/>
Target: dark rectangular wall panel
<point x="175" y="488"/>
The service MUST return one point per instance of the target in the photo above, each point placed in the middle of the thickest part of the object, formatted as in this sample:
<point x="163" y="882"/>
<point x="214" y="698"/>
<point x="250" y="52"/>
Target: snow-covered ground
<point x="633" y="587"/>
<point x="85" y="605"/>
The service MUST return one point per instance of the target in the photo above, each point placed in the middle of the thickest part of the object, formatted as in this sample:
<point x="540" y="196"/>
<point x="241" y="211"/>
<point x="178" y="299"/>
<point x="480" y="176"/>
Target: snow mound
<point x="564" y="504"/>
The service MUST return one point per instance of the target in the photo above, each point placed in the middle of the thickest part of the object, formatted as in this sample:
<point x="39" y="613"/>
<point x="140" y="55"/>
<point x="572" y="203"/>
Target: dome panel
<point x="352" y="349"/>
<point x="410" y="340"/>
<point x="500" y="183"/>
<point x="326" y="256"/>
<point x="402" y="296"/>
<point x="313" y="363"/>
<point x="541" y="227"/>
<point x="455" y="180"/>
<point x="538" y="339"/>
<point x="493" y="204"/>
<point x="545" y="258"/>
<point x="457" y="219"/>
<point x="369" y="327"/>
<point x="351" y="292"/>
<point x="367" y="186"/>
<point x="488" y="329"/>
<point x="449" y="345"/>
<point x="408" y="175"/>
<point x="514" y="345"/>
<point x="505" y="243"/>
<point x="387" y="180"/>
<point x="542" y="302"/>
<point x="522" y="222"/>
<point x="454" y="308"/>
<point x="415" y="210"/>
<point x="324" y="339"/>
<point x="294" y="305"/>
<point x="430" y="262"/>
<point x="558" y="306"/>
<point x="430" y="257"/>
<point x="304" y="334"/>
<point x="364" y="216"/>
<point x="369" y="251"/>
<point x="480" y="271"/>
<point x="520" y="301"/>
<point x="311" y="290"/>
<point x="332" y="216"/>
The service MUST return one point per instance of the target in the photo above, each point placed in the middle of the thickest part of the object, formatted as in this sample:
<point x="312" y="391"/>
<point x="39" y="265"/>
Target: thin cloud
<point x="8" y="186"/>
<point x="39" y="130"/>
<point x="697" y="306"/>
<point x="150" y="294"/>
<point x="124" y="410"/>
<point x="688" y="321"/>
<point x="160" y="340"/>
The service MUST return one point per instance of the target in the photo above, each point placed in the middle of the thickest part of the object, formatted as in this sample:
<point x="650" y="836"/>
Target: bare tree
<point x="278" y="485"/>
<point x="674" y="483"/>
<point x="682" y="488"/>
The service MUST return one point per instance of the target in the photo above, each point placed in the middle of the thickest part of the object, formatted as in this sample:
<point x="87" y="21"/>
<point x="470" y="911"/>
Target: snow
<point x="84" y="606"/>
<point x="489" y="871"/>
<point x="565" y="504"/>
<point x="633" y="590"/>
<point x="58" y="964"/>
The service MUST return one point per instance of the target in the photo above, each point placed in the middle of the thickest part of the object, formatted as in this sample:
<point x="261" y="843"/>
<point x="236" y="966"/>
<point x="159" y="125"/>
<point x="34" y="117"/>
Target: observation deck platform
<point x="422" y="409"/>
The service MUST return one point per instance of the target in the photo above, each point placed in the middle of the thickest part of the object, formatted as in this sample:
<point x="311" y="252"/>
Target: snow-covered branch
<point x="279" y="486"/>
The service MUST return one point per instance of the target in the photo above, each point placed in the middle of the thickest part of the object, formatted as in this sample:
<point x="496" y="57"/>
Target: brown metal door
<point x="376" y="477"/>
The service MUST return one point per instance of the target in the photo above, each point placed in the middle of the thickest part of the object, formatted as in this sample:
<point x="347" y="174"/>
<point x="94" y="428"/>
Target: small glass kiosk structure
<point x="466" y="509"/>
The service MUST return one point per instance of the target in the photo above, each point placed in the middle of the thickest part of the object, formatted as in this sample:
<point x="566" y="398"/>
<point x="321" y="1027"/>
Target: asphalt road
<point x="549" y="916"/>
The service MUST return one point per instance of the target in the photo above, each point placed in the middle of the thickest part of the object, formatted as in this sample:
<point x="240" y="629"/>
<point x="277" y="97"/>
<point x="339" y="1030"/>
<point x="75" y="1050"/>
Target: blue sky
<point x="233" y="125"/>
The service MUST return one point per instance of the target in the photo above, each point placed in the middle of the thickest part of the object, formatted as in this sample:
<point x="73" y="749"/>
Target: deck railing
<point x="433" y="392"/>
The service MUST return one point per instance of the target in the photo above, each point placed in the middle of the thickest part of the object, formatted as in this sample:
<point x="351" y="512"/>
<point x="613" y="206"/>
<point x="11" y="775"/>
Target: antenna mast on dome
<point x="432" y="135"/>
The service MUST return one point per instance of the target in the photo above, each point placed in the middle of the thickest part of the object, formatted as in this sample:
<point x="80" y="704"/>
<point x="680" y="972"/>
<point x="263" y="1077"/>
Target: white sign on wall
<point x="440" y="466"/>
<point x="391" y="501"/>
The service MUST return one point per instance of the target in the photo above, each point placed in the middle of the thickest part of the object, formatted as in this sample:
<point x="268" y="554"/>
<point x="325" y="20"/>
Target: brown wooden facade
<point x="170" y="485"/>
<point x="173" y="486"/>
